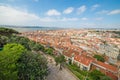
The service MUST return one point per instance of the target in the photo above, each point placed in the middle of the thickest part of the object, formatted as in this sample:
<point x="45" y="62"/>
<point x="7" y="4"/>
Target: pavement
<point x="56" y="74"/>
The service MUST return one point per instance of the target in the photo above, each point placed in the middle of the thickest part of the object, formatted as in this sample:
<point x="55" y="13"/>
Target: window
<point x="98" y="68"/>
<point x="85" y="68"/>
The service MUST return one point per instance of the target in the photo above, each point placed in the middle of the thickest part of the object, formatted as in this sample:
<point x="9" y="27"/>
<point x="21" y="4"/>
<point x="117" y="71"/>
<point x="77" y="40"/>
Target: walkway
<point x="56" y="74"/>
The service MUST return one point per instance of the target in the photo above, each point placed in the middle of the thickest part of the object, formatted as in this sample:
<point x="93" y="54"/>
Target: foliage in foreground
<point x="60" y="60"/>
<point x="76" y="70"/>
<point x="17" y="60"/>
<point x="97" y="75"/>
<point x="7" y="31"/>
<point x="5" y="34"/>
<point x="8" y="60"/>
<point x="32" y="66"/>
<point x="18" y="63"/>
<point x="3" y="40"/>
<point x="82" y="75"/>
<point x="49" y="51"/>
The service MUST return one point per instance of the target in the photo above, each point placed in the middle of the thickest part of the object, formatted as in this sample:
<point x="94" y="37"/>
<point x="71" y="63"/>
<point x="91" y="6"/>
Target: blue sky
<point x="61" y="13"/>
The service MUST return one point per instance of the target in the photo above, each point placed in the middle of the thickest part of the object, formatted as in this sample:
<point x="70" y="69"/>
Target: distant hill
<point x="30" y="28"/>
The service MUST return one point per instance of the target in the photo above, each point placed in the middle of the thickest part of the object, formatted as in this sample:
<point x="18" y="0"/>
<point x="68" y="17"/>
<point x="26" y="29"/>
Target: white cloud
<point x="95" y="6"/>
<point x="69" y="19"/>
<point x="117" y="11"/>
<point x="17" y="16"/>
<point x="13" y="16"/>
<point x="84" y="18"/>
<point x="68" y="10"/>
<point x="9" y="15"/>
<point x="113" y="12"/>
<point x="98" y="25"/>
<point x="102" y="12"/>
<point x="47" y="19"/>
<point x="53" y="12"/>
<point x="99" y="18"/>
<point x="81" y="9"/>
<point x="63" y="19"/>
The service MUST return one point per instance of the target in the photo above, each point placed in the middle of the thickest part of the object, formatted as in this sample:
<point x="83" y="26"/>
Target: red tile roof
<point x="107" y="66"/>
<point x="83" y="59"/>
<point x="70" y="53"/>
<point x="112" y="76"/>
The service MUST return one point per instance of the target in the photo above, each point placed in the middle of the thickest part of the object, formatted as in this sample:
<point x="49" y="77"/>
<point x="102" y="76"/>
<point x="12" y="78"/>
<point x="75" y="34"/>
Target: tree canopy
<point x="38" y="47"/>
<point x="48" y="51"/>
<point x="5" y="34"/>
<point x="99" y="58"/>
<point x="21" y="40"/>
<point x="8" y="59"/>
<point x="60" y="60"/>
<point x="3" y="40"/>
<point x="97" y="75"/>
<point x="17" y="59"/>
<point x="32" y="66"/>
<point x="7" y="31"/>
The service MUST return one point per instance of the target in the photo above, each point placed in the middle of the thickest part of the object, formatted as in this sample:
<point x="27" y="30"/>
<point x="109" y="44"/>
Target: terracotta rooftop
<point x="86" y="60"/>
<point x="112" y="75"/>
<point x="107" y="66"/>
<point x="70" y="53"/>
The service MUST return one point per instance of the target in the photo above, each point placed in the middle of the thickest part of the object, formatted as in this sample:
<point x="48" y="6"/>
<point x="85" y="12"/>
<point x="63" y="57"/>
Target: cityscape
<point x="59" y="40"/>
<point x="80" y="46"/>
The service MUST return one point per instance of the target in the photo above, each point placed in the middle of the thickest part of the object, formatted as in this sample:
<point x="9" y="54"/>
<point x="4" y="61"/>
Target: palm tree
<point x="60" y="60"/>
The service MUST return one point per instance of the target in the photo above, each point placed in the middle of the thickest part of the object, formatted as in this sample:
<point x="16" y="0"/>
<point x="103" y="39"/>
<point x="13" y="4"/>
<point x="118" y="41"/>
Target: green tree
<point x="105" y="78"/>
<point x="21" y="40"/>
<point x="96" y="75"/>
<point x="99" y="58"/>
<point x="3" y="40"/>
<point x="49" y="51"/>
<point x="8" y="60"/>
<point x="31" y="44"/>
<point x="7" y="31"/>
<point x="38" y="47"/>
<point x="60" y="60"/>
<point x="32" y="66"/>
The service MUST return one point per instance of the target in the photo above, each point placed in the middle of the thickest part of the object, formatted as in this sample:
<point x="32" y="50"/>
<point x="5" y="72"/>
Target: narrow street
<point x="56" y="74"/>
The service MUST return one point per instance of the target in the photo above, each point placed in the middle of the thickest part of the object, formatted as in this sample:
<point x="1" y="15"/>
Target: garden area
<point x="85" y="75"/>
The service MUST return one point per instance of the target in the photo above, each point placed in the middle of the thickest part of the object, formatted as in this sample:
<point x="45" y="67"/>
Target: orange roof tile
<point x="70" y="53"/>
<point x="112" y="76"/>
<point x="83" y="59"/>
<point x="107" y="66"/>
